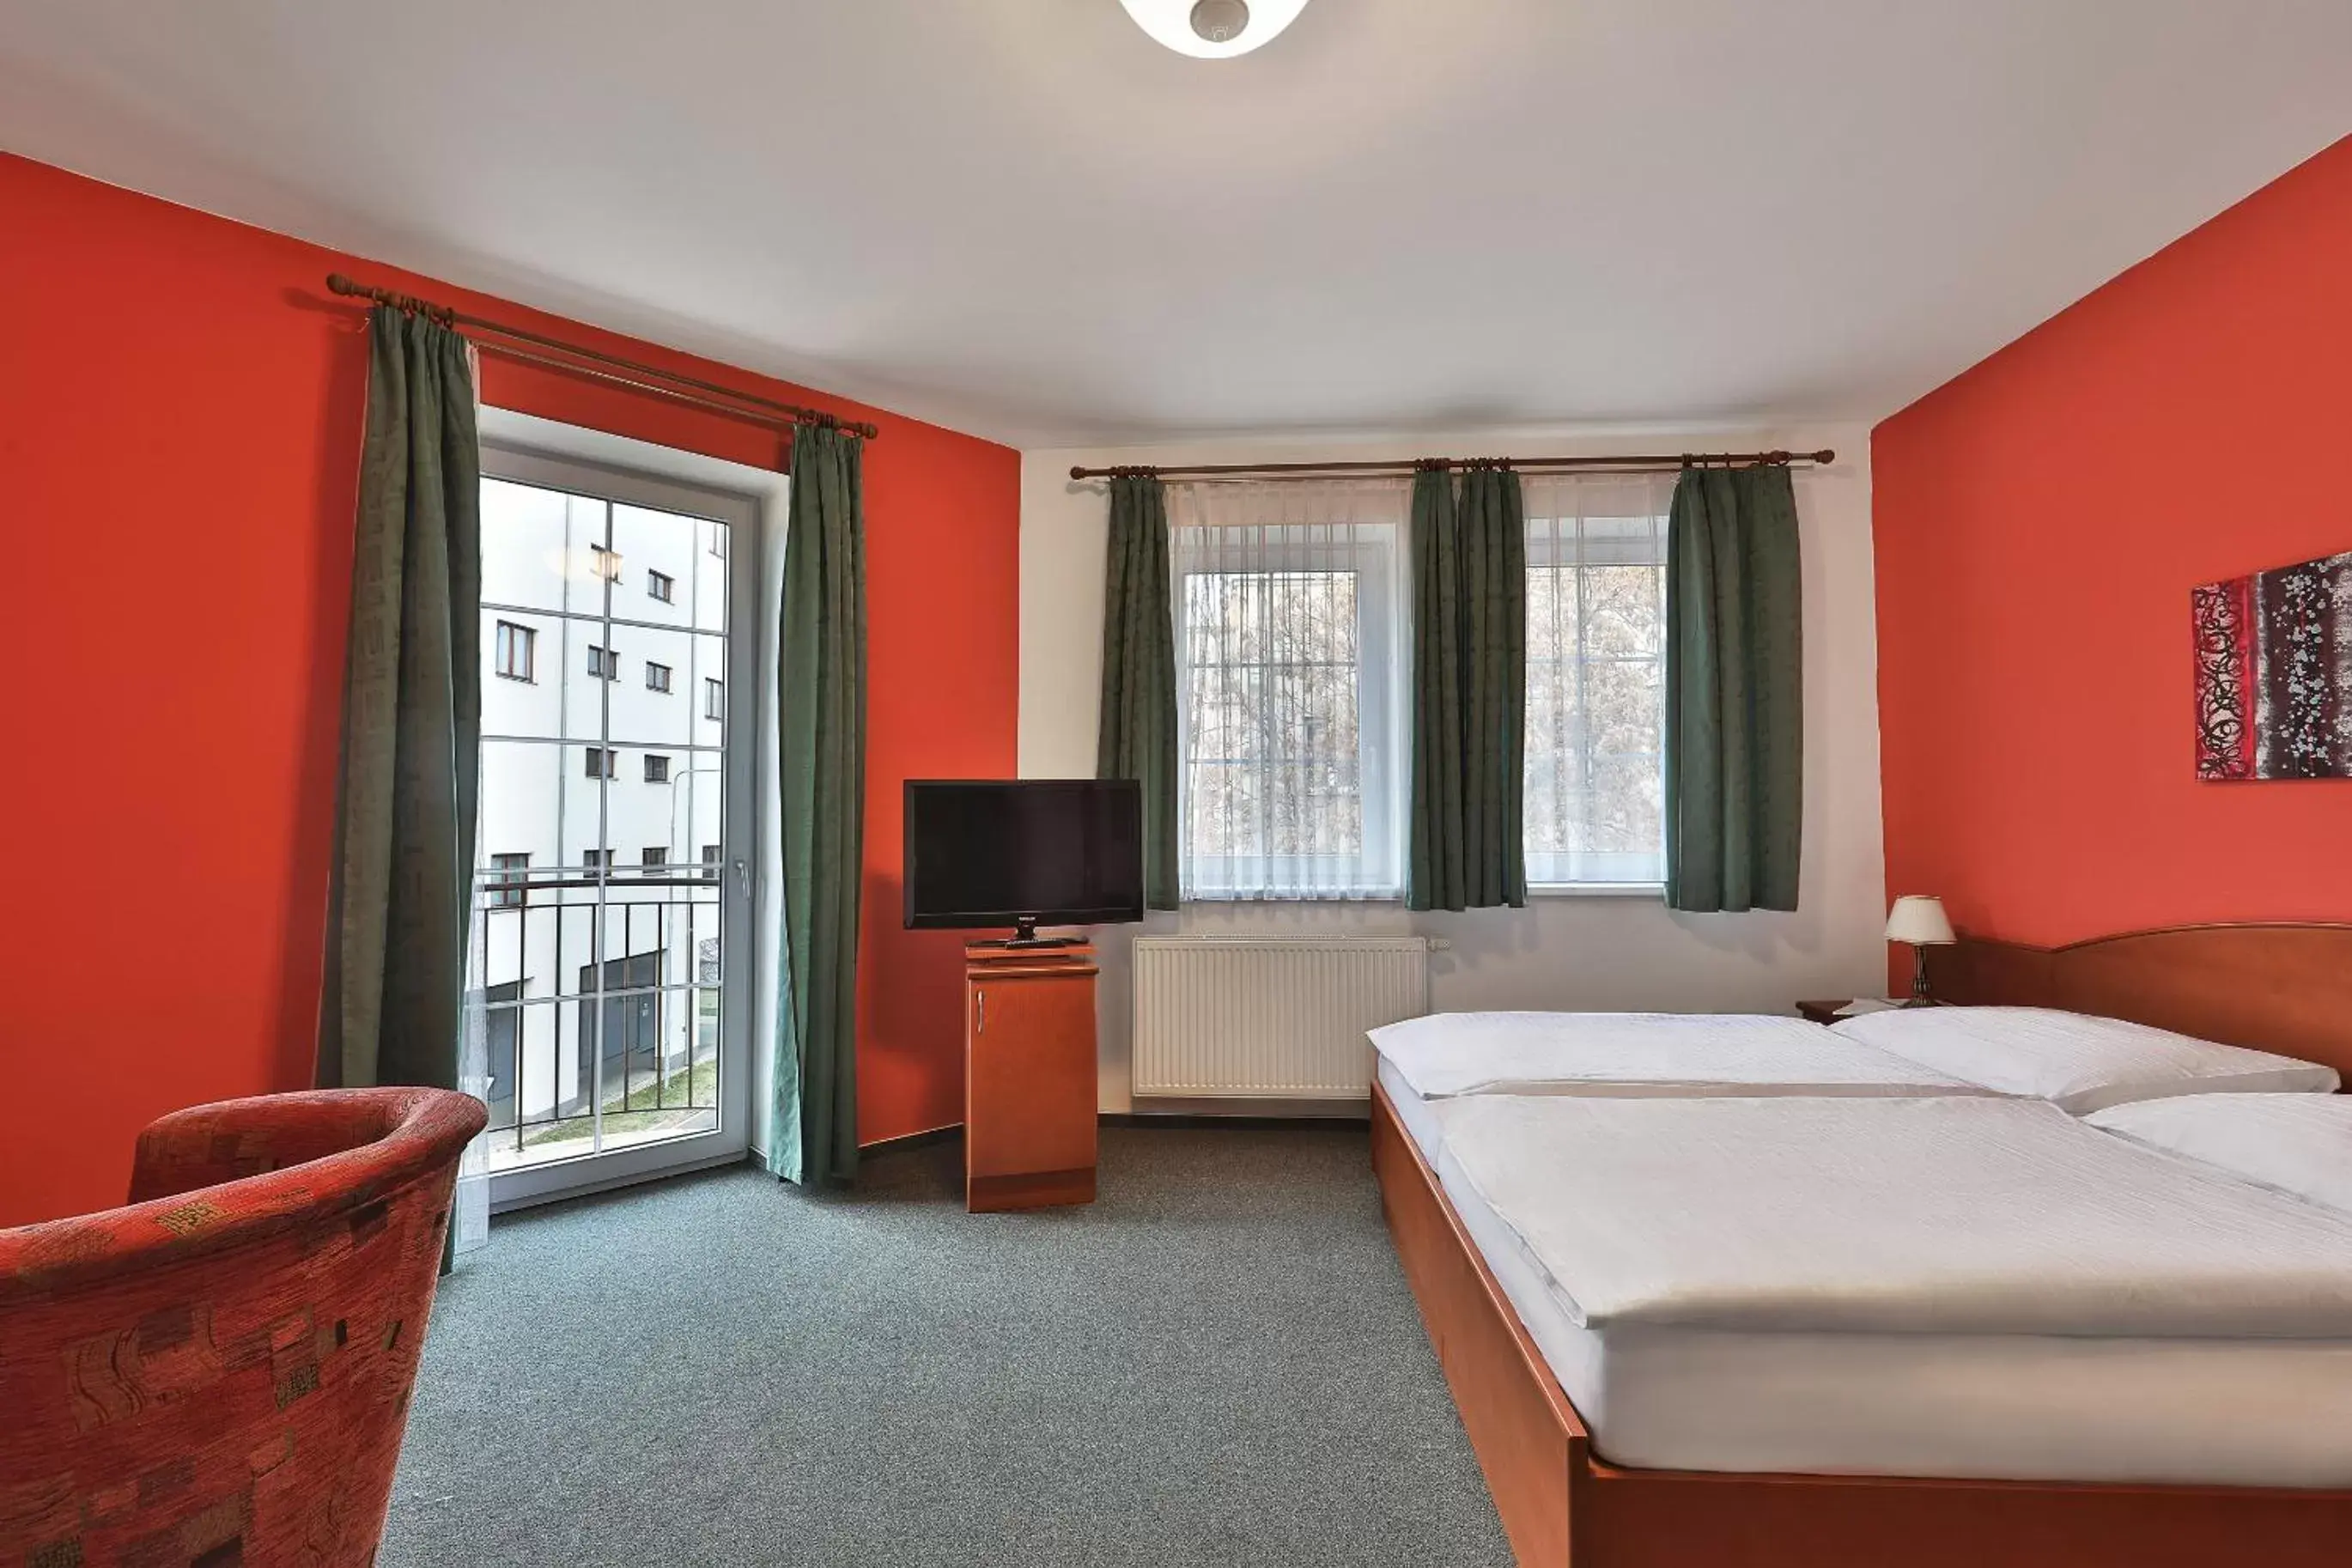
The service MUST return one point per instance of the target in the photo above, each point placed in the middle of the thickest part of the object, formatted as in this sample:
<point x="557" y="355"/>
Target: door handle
<point x="980" y="1005"/>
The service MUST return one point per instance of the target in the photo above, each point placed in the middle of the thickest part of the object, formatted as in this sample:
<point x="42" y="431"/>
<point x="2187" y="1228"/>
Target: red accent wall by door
<point x="2039" y="523"/>
<point x="180" y="405"/>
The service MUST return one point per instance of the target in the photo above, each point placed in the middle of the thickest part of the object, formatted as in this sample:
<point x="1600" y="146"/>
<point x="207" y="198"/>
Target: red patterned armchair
<point x="219" y="1373"/>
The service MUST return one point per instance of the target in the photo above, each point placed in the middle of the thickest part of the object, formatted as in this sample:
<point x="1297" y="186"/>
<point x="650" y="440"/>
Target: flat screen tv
<point x="1024" y="853"/>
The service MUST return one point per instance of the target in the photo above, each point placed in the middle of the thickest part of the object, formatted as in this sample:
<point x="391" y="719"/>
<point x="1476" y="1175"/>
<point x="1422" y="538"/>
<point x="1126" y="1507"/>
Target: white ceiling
<point x="1023" y="218"/>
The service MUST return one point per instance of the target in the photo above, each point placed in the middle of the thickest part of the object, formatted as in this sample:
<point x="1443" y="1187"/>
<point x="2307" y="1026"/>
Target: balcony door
<point x="609" y="1002"/>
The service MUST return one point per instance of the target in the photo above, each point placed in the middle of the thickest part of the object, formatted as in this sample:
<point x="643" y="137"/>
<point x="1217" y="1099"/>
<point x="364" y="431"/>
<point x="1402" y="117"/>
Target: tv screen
<point x="1024" y="853"/>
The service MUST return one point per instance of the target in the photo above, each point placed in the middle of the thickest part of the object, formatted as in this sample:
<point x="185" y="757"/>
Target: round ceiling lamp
<point x="1213" y="29"/>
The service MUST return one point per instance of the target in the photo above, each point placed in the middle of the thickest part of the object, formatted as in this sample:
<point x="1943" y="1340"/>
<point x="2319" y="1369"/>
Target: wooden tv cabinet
<point x="1029" y="1075"/>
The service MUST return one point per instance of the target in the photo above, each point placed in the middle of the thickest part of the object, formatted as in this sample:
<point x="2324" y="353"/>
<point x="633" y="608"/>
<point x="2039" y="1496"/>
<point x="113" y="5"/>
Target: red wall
<point x="180" y="403"/>
<point x="2039" y="521"/>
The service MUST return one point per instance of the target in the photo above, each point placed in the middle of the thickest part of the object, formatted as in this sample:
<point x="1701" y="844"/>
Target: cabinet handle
<point x="980" y="1001"/>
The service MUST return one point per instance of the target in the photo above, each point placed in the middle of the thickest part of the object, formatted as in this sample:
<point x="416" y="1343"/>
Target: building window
<point x="602" y="662"/>
<point x="604" y="564"/>
<point x="506" y="887"/>
<point x="710" y="862"/>
<point x="662" y="585"/>
<point x="655" y="859"/>
<point x="1290" y="650"/>
<point x="596" y="859"/>
<point x="657" y="677"/>
<point x="714" y="700"/>
<point x="601" y="762"/>
<point x="1596" y="707"/>
<point x="657" y="768"/>
<point x="517" y="650"/>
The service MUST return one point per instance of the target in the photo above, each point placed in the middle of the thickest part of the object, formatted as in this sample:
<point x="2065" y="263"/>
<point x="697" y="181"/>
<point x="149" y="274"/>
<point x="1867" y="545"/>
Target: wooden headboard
<point x="2275" y="986"/>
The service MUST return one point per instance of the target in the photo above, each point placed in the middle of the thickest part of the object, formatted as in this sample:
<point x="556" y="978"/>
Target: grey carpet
<point x="1218" y="1363"/>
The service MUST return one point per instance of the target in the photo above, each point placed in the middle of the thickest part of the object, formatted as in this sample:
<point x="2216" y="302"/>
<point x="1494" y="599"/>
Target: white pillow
<point x="2296" y="1143"/>
<point x="2079" y="1062"/>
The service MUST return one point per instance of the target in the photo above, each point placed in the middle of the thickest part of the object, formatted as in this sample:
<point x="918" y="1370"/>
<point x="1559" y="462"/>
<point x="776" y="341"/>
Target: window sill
<point x="1596" y="889"/>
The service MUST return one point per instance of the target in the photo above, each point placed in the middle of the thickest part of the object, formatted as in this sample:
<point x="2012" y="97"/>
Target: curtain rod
<point x="640" y="376"/>
<point x="1653" y="463"/>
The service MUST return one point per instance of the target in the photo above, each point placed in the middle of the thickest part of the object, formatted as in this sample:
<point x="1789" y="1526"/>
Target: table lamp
<point x="1920" y="920"/>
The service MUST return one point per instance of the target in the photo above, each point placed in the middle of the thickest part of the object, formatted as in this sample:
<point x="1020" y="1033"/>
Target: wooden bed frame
<point x="2281" y="987"/>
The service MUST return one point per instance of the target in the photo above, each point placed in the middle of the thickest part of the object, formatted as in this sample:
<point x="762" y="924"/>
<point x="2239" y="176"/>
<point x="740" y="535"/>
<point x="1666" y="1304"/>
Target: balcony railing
<point x="598" y="1007"/>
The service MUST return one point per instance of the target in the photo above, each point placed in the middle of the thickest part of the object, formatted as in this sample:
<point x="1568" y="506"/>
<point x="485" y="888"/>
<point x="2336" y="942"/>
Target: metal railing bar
<point x="582" y="615"/>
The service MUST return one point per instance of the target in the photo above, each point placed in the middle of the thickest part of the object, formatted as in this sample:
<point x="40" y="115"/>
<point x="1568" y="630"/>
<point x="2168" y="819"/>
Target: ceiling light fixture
<point x="1213" y="29"/>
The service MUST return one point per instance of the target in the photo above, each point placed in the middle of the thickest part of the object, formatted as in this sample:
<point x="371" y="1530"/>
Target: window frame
<point x="657" y="768"/>
<point x="661" y="586"/>
<point x="663" y="685"/>
<point x="519" y="448"/>
<point x="507" y="883"/>
<point x="1383" y="760"/>
<point x="1542" y="554"/>
<point x="604" y="663"/>
<point x="714" y="698"/>
<point x="515" y="634"/>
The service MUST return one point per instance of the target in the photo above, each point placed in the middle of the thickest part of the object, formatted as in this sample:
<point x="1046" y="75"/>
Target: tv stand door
<point x="1029" y="1078"/>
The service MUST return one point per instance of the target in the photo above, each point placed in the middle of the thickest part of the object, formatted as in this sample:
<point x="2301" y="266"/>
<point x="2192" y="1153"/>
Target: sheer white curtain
<point x="1291" y="647"/>
<point x="470" y="1221"/>
<point x="1596" y="676"/>
<point x="469" y="1224"/>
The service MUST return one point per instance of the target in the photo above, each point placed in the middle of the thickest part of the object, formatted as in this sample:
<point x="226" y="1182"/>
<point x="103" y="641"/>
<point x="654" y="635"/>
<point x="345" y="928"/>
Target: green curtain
<point x="400" y="891"/>
<point x="821" y="712"/>
<point x="1136" y="732"/>
<point x="1735" y="767"/>
<point x="1469" y="690"/>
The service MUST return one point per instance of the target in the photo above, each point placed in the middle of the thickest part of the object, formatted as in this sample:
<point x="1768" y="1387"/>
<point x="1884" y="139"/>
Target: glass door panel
<point x="612" y="881"/>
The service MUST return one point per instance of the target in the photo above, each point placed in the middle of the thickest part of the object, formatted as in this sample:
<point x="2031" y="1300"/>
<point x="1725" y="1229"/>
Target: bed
<point x="2281" y="988"/>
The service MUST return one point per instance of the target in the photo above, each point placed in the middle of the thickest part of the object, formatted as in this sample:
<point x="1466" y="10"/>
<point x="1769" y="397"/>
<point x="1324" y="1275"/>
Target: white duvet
<point x="1637" y="1054"/>
<point x="1934" y="1214"/>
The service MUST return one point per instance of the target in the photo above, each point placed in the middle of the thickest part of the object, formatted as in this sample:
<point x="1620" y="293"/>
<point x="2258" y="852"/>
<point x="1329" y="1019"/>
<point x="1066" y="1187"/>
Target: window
<point x="1596" y="678"/>
<point x="718" y="539"/>
<point x="505" y="886"/>
<point x="1289" y="648"/>
<point x="710" y="862"/>
<point x="714" y="700"/>
<point x="517" y="652"/>
<point x="610" y="989"/>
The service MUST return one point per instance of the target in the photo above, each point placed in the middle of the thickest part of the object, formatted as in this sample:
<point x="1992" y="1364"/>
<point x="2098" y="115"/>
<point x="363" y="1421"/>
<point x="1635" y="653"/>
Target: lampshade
<point x="1213" y="29"/>
<point x="1920" y="920"/>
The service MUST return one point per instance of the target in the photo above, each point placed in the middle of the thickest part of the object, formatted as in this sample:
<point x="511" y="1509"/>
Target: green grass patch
<point x="647" y="1107"/>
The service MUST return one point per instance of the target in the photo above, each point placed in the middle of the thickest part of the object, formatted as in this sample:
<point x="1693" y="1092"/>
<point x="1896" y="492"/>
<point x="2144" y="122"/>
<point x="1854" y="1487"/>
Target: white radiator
<point x="1269" y="1019"/>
